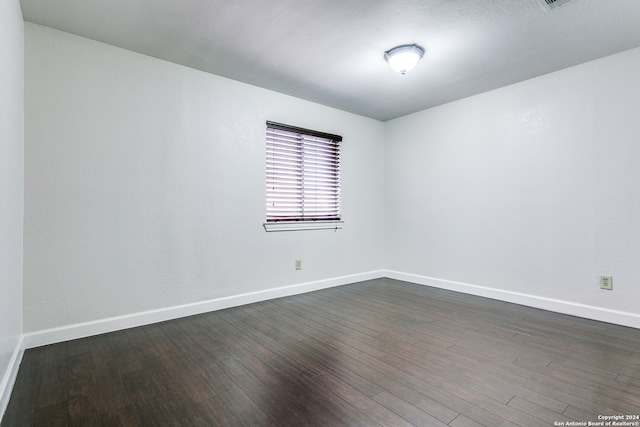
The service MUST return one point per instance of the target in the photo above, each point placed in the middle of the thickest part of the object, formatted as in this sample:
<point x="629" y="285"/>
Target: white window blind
<point x="303" y="174"/>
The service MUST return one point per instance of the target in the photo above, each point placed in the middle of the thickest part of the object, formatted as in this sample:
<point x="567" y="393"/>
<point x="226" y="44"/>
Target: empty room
<point x="320" y="213"/>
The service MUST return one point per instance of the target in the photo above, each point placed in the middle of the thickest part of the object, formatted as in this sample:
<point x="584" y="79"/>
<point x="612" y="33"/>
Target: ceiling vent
<point x="554" y="4"/>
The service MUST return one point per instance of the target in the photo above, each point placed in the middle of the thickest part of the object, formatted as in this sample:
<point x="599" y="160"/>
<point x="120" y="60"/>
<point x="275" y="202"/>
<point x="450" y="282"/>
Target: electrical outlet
<point x="606" y="282"/>
<point x="298" y="264"/>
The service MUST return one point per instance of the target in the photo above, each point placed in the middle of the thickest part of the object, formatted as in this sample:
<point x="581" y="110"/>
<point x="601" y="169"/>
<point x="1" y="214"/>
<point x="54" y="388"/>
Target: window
<point x="303" y="179"/>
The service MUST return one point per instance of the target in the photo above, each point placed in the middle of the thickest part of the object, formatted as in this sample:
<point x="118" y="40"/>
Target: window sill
<point x="302" y="225"/>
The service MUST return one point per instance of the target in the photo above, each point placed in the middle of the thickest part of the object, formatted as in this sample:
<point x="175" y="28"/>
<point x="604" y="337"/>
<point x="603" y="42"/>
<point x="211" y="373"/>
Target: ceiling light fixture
<point x="404" y="58"/>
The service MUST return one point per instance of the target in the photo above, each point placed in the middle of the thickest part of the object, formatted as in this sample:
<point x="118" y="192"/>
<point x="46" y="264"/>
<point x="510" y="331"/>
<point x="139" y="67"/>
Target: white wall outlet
<point x="298" y="264"/>
<point x="606" y="282"/>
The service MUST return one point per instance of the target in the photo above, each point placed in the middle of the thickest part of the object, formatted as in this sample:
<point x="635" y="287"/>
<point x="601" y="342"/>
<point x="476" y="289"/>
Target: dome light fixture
<point x="404" y="58"/>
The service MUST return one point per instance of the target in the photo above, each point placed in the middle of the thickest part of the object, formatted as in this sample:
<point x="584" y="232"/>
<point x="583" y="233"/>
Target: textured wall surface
<point x="533" y="188"/>
<point x="145" y="186"/>
<point x="11" y="185"/>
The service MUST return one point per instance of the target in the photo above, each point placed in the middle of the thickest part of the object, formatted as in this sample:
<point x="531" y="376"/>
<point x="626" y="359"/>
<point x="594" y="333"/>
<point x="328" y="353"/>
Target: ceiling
<point x="331" y="51"/>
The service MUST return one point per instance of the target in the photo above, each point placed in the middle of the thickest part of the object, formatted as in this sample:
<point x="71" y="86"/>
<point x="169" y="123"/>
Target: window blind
<point x="303" y="174"/>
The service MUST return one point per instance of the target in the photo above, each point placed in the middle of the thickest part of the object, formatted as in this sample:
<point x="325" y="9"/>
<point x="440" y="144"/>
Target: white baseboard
<point x="9" y="378"/>
<point x="559" y="306"/>
<point x="81" y="330"/>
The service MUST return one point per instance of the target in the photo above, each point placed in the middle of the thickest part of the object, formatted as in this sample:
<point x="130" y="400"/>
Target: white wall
<point x="11" y="191"/>
<point x="145" y="189"/>
<point x="145" y="186"/>
<point x="526" y="193"/>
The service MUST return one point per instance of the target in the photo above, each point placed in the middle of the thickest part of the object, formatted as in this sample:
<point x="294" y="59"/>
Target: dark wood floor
<point x="380" y="352"/>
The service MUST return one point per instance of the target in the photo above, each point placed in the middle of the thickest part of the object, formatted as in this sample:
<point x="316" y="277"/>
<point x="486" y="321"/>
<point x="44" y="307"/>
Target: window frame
<point x="300" y="222"/>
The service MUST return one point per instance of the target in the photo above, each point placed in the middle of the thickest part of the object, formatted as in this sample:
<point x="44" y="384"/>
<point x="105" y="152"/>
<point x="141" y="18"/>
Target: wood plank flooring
<point x="376" y="353"/>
